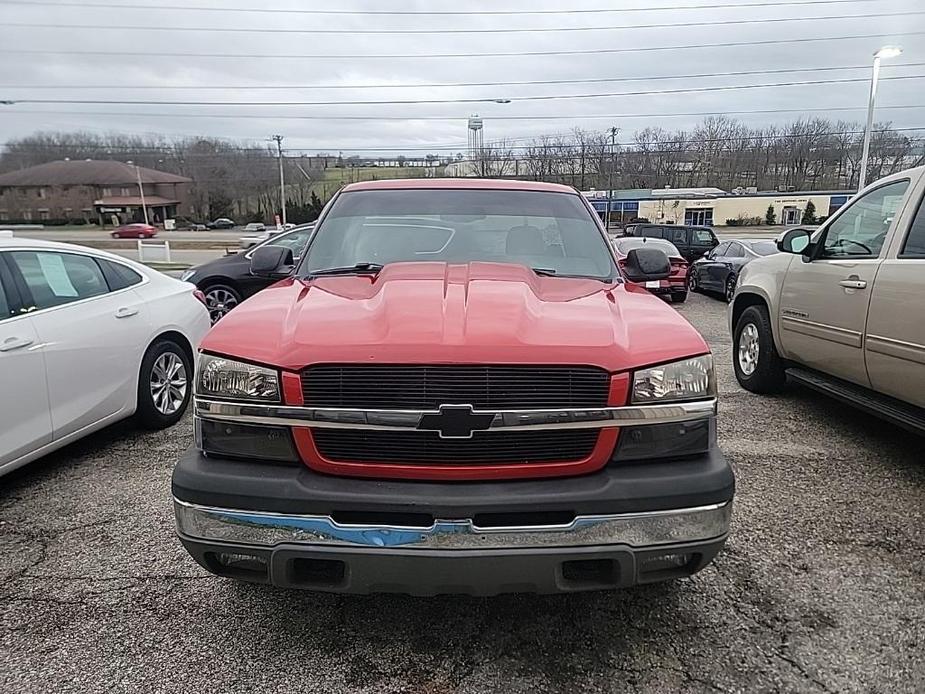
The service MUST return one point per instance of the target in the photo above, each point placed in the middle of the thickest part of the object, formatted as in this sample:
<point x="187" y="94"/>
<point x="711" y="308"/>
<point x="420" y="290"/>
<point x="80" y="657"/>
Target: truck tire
<point x="757" y="365"/>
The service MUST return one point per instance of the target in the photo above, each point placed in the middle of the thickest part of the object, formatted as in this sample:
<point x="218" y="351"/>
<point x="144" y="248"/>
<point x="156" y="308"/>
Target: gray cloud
<point x="255" y="122"/>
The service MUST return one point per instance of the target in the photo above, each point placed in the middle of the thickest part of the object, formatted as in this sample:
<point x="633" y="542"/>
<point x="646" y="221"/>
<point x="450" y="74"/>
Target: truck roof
<point x="460" y="184"/>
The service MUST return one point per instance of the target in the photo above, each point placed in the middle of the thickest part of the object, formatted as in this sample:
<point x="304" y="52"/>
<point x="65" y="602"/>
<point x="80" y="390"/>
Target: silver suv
<point x="842" y="308"/>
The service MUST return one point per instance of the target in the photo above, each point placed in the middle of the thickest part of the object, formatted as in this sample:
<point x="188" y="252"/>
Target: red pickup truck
<point x="456" y="390"/>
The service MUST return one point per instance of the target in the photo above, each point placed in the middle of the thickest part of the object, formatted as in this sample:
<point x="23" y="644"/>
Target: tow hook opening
<point x="587" y="573"/>
<point x="308" y="572"/>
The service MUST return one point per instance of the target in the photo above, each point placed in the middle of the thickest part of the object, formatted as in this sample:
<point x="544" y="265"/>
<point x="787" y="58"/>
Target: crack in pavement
<point x="774" y="627"/>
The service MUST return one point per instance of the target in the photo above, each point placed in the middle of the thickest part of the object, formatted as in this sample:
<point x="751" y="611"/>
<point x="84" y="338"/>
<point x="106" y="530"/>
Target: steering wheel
<point x="841" y="243"/>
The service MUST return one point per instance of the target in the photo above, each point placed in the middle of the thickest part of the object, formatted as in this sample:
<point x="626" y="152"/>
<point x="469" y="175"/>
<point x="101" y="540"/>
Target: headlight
<point x="186" y="275"/>
<point x="221" y="377"/>
<point x="688" y="379"/>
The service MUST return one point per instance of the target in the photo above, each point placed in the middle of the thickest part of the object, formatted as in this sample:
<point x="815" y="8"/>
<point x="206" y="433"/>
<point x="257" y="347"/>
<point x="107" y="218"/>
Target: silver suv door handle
<point x="126" y="312"/>
<point x="12" y="343"/>
<point x="853" y="283"/>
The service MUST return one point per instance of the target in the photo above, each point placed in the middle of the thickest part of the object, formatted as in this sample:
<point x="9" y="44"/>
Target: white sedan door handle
<point x="126" y="312"/>
<point x="853" y="283"/>
<point x="11" y="343"/>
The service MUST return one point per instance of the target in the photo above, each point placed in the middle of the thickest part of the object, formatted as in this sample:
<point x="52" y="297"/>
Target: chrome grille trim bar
<point x="409" y="420"/>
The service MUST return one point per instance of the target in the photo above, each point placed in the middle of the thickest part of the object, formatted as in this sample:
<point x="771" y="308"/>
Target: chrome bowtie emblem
<point x="455" y="422"/>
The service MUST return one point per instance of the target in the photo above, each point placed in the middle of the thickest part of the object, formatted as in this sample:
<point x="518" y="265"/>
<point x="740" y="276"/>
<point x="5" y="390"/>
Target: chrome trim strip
<point x="269" y="529"/>
<point x="822" y="331"/>
<point x="900" y="349"/>
<point x="398" y="420"/>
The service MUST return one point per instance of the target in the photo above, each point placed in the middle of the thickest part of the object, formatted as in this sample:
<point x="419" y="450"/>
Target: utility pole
<point x="141" y="191"/>
<point x="282" y="183"/>
<point x="613" y="144"/>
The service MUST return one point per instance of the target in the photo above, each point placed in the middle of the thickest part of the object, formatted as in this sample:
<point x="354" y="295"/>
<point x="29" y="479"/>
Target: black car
<point x="718" y="270"/>
<point x="227" y="281"/>
<point x="692" y="241"/>
<point x="221" y="223"/>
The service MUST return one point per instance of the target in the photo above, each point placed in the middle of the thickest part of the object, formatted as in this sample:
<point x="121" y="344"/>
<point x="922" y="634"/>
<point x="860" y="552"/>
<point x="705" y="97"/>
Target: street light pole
<point x="613" y="143"/>
<point x="282" y="182"/>
<point x="885" y="52"/>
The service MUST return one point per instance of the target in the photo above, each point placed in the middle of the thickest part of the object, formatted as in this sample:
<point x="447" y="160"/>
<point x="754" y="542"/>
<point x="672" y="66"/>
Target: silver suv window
<point x="914" y="247"/>
<point x="861" y="229"/>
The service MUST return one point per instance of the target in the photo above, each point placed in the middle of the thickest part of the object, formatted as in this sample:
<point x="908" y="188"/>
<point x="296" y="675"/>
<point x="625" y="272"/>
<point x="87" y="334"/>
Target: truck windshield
<point x="552" y="232"/>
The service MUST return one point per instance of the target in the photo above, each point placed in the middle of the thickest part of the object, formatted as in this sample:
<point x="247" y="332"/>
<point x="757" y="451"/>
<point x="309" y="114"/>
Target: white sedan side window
<point x="4" y="303"/>
<point x="59" y="278"/>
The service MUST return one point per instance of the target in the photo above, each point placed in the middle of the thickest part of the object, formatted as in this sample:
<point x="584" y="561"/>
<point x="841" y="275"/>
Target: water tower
<point x="475" y="136"/>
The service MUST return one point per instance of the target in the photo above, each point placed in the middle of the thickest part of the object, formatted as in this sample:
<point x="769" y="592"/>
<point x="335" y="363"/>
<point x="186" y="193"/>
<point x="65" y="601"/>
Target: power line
<point x="419" y="56"/>
<point x="432" y="85"/>
<point x="513" y="30"/>
<point x="546" y="97"/>
<point x="270" y="10"/>
<point x="573" y="116"/>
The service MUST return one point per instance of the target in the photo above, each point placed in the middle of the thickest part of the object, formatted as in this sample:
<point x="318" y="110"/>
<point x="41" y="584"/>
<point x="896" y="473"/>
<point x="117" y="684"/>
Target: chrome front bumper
<point x="637" y="530"/>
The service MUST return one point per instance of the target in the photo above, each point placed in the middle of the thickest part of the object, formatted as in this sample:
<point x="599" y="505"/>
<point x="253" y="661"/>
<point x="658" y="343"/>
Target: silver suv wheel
<point x="748" y="349"/>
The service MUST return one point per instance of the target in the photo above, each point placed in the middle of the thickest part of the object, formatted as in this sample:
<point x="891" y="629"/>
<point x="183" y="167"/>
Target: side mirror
<point x="646" y="264"/>
<point x="715" y="242"/>
<point x="272" y="262"/>
<point x="795" y="241"/>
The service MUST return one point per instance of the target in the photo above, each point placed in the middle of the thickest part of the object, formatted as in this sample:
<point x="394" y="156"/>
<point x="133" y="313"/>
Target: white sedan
<point x="88" y="338"/>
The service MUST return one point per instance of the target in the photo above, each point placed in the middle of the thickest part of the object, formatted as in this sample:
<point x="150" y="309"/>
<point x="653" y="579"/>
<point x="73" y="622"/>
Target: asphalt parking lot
<point x="821" y="587"/>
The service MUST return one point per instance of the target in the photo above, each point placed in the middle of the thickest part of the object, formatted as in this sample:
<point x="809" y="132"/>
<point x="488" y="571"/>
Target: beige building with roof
<point x="91" y="191"/>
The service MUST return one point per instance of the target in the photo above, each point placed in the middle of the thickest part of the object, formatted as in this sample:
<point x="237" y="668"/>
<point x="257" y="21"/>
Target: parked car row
<point x="457" y="385"/>
<point x="714" y="272"/>
<point x="692" y="241"/>
<point x="88" y="338"/>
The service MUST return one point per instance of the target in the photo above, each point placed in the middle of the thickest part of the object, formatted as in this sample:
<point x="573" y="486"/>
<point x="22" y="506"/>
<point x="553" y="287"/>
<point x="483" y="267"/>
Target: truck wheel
<point x="757" y="365"/>
<point x="164" y="385"/>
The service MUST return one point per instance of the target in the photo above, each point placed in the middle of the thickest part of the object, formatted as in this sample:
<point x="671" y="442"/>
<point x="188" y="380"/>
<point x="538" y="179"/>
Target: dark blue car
<point x="718" y="270"/>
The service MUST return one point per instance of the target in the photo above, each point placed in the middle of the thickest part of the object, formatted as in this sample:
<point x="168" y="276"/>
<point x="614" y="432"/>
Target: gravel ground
<point x="821" y="587"/>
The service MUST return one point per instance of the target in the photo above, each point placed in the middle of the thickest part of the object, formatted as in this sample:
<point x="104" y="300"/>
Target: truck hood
<point x="438" y="313"/>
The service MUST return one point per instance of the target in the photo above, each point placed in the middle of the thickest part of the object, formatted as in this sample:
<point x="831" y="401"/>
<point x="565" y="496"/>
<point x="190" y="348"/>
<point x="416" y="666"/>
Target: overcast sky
<point x="24" y="66"/>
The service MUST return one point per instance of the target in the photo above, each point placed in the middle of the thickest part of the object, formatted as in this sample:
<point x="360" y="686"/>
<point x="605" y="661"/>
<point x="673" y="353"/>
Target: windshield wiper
<point x="358" y="269"/>
<point x="549" y="272"/>
<point x="544" y="271"/>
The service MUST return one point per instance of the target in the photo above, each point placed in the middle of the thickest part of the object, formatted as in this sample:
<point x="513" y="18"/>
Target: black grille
<point x="427" y="387"/>
<point x="485" y="447"/>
